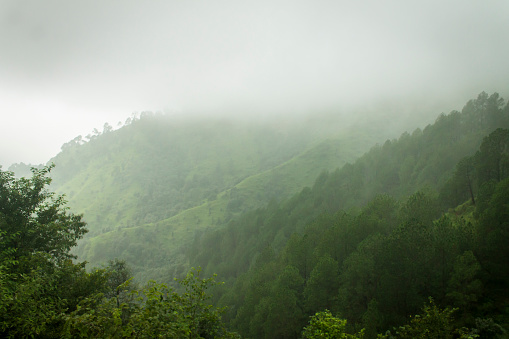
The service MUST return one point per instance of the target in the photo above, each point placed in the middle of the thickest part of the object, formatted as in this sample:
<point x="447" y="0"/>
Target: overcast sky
<point x="67" y="67"/>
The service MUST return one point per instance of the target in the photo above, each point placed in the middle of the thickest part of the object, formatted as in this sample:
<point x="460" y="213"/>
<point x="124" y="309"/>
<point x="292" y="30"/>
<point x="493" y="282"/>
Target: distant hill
<point x="159" y="249"/>
<point x="297" y="218"/>
<point x="425" y="159"/>
<point x="155" y="168"/>
<point x="151" y="187"/>
<point x="147" y="188"/>
<point x="421" y="216"/>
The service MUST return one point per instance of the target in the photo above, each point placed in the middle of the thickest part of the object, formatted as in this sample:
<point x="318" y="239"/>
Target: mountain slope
<point x="165" y="181"/>
<point x="159" y="249"/>
<point x="170" y="166"/>
<point x="371" y="241"/>
<point x="424" y="160"/>
<point x="175" y="177"/>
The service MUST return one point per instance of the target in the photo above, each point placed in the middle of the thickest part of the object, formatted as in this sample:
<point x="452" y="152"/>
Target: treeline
<point x="376" y="265"/>
<point x="426" y="159"/>
<point x="380" y="266"/>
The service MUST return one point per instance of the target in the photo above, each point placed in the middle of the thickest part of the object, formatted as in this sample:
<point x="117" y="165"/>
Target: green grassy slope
<point x="156" y="250"/>
<point x="152" y="184"/>
<point x="156" y="168"/>
<point x="147" y="189"/>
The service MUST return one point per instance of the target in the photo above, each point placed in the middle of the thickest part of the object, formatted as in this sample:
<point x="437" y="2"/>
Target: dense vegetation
<point x="416" y="226"/>
<point x="424" y="160"/>
<point x="44" y="294"/>
<point x="378" y="264"/>
<point x="148" y="187"/>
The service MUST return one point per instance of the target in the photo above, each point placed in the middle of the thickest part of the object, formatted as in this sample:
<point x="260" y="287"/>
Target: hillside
<point x="374" y="240"/>
<point x="426" y="159"/>
<point x="417" y="224"/>
<point x="147" y="188"/>
<point x="155" y="186"/>
<point x="159" y="249"/>
<point x="169" y="166"/>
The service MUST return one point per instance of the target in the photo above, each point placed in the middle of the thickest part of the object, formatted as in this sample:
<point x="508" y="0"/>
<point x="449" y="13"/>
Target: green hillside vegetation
<point x="311" y="234"/>
<point x="159" y="249"/>
<point x="408" y="241"/>
<point x="424" y="160"/>
<point x="155" y="167"/>
<point x="159" y="180"/>
<point x="44" y="294"/>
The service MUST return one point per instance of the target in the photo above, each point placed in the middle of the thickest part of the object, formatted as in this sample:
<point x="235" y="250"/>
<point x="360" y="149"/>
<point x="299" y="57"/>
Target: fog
<point x="68" y="67"/>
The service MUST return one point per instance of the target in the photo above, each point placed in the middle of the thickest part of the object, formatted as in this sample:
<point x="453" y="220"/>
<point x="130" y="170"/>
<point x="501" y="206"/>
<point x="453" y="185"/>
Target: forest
<point x="408" y="239"/>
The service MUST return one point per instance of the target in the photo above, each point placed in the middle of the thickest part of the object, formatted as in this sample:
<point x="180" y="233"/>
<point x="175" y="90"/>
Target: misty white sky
<point x="67" y="67"/>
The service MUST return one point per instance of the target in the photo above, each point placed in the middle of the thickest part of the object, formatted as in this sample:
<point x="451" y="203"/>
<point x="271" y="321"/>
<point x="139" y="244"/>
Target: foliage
<point x="36" y="219"/>
<point x="157" y="311"/>
<point x="377" y="264"/>
<point x="432" y="323"/>
<point x="325" y="325"/>
<point x="166" y="182"/>
<point x="152" y="186"/>
<point x="464" y="285"/>
<point x="45" y="295"/>
<point x="371" y="241"/>
<point x="428" y="156"/>
<point x="487" y="328"/>
<point x="36" y="236"/>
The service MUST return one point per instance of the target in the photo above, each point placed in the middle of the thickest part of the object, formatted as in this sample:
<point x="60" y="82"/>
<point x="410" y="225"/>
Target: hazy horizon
<point x="67" y="68"/>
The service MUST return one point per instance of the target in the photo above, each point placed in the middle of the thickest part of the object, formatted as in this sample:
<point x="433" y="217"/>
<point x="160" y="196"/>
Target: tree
<point x="494" y="235"/>
<point x="404" y="263"/>
<point x="322" y="284"/>
<point x="444" y="243"/>
<point x="107" y="128"/>
<point x="118" y="274"/>
<point x="493" y="157"/>
<point x="433" y="322"/>
<point x="359" y="279"/>
<point x="284" y="316"/>
<point x="38" y="281"/>
<point x="465" y="286"/>
<point x="44" y="294"/>
<point x="325" y="325"/>
<point x="157" y="312"/>
<point x="461" y="185"/>
<point x="421" y="206"/>
<point x="36" y="219"/>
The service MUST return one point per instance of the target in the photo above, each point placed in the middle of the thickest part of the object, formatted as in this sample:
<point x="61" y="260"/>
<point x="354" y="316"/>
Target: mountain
<point x="425" y="159"/>
<point x="416" y="223"/>
<point x="373" y="240"/>
<point x="148" y="188"/>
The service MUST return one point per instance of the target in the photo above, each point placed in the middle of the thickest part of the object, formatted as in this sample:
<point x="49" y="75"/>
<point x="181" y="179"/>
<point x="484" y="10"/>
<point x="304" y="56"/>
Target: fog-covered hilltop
<point x="416" y="225"/>
<point x="373" y="240"/>
<point x="423" y="160"/>
<point x="147" y="187"/>
<point x="155" y="167"/>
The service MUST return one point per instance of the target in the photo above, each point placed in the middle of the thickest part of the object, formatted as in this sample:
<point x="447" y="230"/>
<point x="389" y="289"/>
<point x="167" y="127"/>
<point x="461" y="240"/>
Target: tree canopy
<point x="36" y="219"/>
<point x="44" y="294"/>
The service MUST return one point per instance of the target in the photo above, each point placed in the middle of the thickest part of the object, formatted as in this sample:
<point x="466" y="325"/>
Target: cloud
<point x="97" y="61"/>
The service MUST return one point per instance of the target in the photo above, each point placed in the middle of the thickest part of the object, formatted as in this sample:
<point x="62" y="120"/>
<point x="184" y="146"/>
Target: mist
<point x="67" y="67"/>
